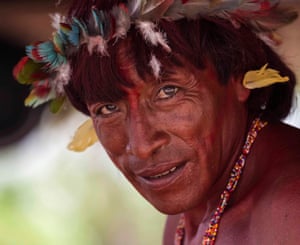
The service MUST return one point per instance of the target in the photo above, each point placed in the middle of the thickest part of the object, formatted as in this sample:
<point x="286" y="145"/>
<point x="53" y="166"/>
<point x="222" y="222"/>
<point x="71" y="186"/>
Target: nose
<point x="145" y="135"/>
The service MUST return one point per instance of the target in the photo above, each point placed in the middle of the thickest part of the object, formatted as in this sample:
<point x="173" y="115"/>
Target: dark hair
<point x="232" y="51"/>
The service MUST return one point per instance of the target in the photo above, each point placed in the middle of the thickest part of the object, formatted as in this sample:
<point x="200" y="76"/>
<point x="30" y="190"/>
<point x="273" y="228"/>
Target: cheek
<point x="112" y="137"/>
<point x="186" y="122"/>
<point x="198" y="126"/>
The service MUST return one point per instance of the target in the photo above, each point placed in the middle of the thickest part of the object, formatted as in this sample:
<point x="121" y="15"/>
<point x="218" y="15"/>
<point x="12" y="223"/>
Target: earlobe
<point x="242" y="93"/>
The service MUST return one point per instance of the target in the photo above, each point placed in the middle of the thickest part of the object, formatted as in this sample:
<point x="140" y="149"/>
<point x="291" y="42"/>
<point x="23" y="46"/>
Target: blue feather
<point x="28" y="50"/>
<point x="74" y="35"/>
<point x="102" y="23"/>
<point x="82" y="27"/>
<point x="98" y="17"/>
<point x="49" y="55"/>
<point x="59" y="41"/>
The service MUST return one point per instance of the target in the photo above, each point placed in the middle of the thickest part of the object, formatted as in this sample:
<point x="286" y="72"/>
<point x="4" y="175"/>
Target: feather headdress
<point x="262" y="16"/>
<point x="47" y="68"/>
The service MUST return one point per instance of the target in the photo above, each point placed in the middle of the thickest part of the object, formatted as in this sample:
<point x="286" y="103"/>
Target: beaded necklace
<point x="210" y="235"/>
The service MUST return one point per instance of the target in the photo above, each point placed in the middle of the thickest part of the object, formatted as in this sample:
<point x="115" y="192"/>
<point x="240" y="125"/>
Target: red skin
<point x="191" y="122"/>
<point x="265" y="207"/>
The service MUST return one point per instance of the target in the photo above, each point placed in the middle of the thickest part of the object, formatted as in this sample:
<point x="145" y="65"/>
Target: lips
<point x="161" y="176"/>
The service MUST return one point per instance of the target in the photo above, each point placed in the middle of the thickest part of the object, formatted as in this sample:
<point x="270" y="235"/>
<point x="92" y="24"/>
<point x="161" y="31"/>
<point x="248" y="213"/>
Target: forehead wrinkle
<point x="174" y="74"/>
<point x="173" y="68"/>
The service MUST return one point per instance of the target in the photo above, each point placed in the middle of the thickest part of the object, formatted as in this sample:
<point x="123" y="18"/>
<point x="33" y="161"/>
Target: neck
<point x="198" y="219"/>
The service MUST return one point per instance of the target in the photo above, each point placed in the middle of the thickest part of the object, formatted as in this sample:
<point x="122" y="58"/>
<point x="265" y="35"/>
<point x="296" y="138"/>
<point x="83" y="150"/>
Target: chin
<point x="168" y="209"/>
<point x="171" y="205"/>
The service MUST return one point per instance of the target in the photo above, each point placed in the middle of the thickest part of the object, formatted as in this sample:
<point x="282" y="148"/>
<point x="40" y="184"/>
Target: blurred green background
<point x="49" y="195"/>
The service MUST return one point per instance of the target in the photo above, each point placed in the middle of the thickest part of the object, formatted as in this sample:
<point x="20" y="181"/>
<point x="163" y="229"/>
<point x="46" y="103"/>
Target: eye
<point x="167" y="92"/>
<point x="106" y="110"/>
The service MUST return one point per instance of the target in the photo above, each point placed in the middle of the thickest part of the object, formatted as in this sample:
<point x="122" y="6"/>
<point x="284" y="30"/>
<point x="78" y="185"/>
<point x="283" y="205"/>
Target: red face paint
<point x="133" y="98"/>
<point x="265" y="5"/>
<point x="166" y="146"/>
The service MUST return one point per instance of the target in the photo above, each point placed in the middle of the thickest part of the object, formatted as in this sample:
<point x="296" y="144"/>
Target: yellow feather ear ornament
<point x="263" y="78"/>
<point x="84" y="137"/>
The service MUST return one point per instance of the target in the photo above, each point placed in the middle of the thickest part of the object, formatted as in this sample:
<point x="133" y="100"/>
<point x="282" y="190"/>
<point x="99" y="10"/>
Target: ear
<point x="242" y="93"/>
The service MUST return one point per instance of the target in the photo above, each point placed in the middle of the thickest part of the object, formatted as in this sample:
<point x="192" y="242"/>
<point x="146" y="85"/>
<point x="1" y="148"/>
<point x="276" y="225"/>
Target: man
<point x="187" y="101"/>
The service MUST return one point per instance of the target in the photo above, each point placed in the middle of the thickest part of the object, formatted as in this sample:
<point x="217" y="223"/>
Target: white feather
<point x="62" y="78"/>
<point x="58" y="2"/>
<point x="155" y="65"/>
<point x="149" y="9"/>
<point x="122" y="22"/>
<point x="98" y="44"/>
<point x="134" y="7"/>
<point x="56" y="20"/>
<point x="151" y="6"/>
<point x="149" y="33"/>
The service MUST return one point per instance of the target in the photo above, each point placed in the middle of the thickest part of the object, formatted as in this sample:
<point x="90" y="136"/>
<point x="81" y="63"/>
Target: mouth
<point x="163" y="174"/>
<point x="159" y="179"/>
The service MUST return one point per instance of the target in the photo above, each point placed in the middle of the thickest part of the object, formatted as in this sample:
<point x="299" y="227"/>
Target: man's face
<point x="173" y="139"/>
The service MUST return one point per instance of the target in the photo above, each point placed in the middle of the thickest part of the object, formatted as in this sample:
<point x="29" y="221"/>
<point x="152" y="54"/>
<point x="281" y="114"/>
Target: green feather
<point x="56" y="104"/>
<point x="28" y="72"/>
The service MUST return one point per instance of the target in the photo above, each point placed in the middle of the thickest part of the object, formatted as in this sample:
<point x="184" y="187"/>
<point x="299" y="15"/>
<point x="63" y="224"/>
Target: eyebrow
<point x="168" y="75"/>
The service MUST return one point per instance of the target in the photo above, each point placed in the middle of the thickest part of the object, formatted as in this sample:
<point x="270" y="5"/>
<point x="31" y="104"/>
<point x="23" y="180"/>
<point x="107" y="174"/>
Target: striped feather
<point x="149" y="10"/>
<point x="122" y="21"/>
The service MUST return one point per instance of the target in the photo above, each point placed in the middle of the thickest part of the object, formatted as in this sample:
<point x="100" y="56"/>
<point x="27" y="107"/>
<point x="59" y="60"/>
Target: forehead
<point x="187" y="77"/>
<point x="150" y="65"/>
<point x="127" y="66"/>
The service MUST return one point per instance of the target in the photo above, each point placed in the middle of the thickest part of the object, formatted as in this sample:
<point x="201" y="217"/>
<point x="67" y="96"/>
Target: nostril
<point x="145" y="148"/>
<point x="145" y="136"/>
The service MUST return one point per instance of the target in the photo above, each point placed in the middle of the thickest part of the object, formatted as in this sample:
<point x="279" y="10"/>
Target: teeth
<point x="163" y="174"/>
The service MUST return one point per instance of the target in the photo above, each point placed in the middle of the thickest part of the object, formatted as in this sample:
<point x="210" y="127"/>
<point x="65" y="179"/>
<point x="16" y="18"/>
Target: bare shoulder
<point x="277" y="214"/>
<point x="280" y="149"/>
<point x="283" y="211"/>
<point x="284" y="172"/>
<point x="170" y="229"/>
